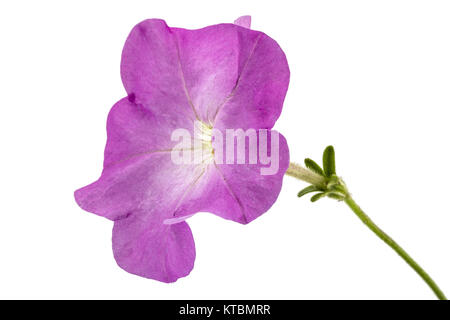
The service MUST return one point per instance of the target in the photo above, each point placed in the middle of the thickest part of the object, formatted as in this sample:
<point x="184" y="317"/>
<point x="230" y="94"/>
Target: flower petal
<point x="257" y="98"/>
<point x="255" y="192"/>
<point x="244" y="21"/>
<point x="142" y="245"/>
<point x="208" y="194"/>
<point x="134" y="131"/>
<point x="238" y="192"/>
<point x="212" y="59"/>
<point x="136" y="185"/>
<point x="151" y="70"/>
<point x="199" y="72"/>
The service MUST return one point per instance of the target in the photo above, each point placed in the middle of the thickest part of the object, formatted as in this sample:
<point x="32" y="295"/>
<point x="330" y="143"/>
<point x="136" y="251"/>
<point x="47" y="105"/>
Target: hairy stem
<point x="394" y="245"/>
<point x="297" y="171"/>
<point x="324" y="184"/>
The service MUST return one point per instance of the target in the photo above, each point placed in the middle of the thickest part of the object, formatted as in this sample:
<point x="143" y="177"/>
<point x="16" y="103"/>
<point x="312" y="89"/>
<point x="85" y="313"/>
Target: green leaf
<point x="308" y="190"/>
<point x="316" y="197"/>
<point x="329" y="166"/>
<point x="313" y="166"/>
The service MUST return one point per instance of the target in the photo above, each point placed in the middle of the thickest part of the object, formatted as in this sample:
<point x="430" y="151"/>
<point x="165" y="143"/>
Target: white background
<point x="370" y="77"/>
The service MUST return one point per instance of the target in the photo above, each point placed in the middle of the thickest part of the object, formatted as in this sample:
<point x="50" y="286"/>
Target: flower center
<point x="203" y="141"/>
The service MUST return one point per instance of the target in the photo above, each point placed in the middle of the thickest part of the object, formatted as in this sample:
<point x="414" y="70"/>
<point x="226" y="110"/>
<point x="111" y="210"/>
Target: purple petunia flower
<point x="224" y="76"/>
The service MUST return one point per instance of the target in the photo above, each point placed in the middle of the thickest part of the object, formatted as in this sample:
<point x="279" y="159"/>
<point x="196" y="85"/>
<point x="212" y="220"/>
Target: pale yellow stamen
<point x="203" y="138"/>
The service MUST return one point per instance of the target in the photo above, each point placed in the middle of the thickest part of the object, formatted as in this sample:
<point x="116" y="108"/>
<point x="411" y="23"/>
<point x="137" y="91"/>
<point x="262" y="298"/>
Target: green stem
<point x="390" y="242"/>
<point x="331" y="184"/>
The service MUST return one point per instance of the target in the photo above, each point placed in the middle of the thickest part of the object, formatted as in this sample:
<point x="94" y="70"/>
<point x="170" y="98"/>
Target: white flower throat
<point x="203" y="142"/>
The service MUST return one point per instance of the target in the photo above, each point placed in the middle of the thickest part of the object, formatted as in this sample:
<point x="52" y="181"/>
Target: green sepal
<point x="329" y="166"/>
<point x="308" y="190"/>
<point x="338" y="188"/>
<point x="336" y="195"/>
<point x="313" y="166"/>
<point x="318" y="196"/>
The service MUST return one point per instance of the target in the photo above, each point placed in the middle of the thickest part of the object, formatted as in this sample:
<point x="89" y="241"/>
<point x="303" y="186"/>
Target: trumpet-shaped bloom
<point x="224" y="76"/>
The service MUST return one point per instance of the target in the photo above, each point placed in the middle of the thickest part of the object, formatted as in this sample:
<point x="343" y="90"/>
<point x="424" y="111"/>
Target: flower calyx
<point x="331" y="185"/>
